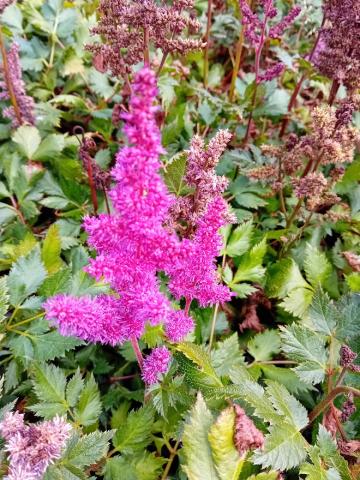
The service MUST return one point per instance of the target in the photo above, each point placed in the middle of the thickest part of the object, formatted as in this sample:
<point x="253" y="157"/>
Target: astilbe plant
<point x="337" y="55"/>
<point x="135" y="243"/>
<point x="32" y="448"/>
<point x="258" y="31"/>
<point x="12" y="88"/>
<point x="299" y="162"/>
<point x="129" y="26"/>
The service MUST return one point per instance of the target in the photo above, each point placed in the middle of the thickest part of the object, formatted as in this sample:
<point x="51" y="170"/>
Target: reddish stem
<point x="139" y="357"/>
<point x="92" y="186"/>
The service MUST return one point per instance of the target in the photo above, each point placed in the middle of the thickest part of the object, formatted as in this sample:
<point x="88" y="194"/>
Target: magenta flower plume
<point x="155" y="365"/>
<point x="179" y="324"/>
<point x="25" y="103"/>
<point x="193" y="273"/>
<point x="135" y="243"/>
<point x="32" y="448"/>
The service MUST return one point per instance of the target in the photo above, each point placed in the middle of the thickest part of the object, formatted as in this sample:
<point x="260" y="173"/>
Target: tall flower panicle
<point x="127" y="24"/>
<point x="32" y="448"/>
<point x="338" y="56"/>
<point x="257" y="30"/>
<point x="135" y="243"/>
<point x="24" y="102"/>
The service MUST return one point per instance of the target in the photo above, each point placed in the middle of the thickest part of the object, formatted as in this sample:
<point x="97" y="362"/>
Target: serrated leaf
<point x="228" y="462"/>
<point x="286" y="377"/>
<point x="57" y="283"/>
<point x="51" y="250"/>
<point x="303" y="345"/>
<point x="317" y="266"/>
<point x="250" y="268"/>
<point x="49" y="148"/>
<point x="199" y="356"/>
<point x="52" y="345"/>
<point x="287" y="405"/>
<point x="134" y="435"/>
<point x="284" y="448"/>
<point x="28" y="138"/>
<point x="240" y="239"/>
<point x="265" y="476"/>
<point x="74" y="388"/>
<point x="264" y="345"/>
<point x="198" y="464"/>
<point x="25" y="277"/>
<point x="331" y="455"/>
<point x="88" y="408"/>
<point x="298" y="301"/>
<point x="49" y="383"/>
<point x="283" y="277"/>
<point x="322" y="313"/>
<point x="4" y="299"/>
<point x="175" y="174"/>
<point x="88" y="450"/>
<point x="227" y="355"/>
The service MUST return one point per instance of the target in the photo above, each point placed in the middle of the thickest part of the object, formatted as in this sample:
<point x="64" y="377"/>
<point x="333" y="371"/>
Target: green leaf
<point x="198" y="463"/>
<point x="57" y="283"/>
<point x="323" y="313"/>
<point x="49" y="148"/>
<point x="264" y="345"/>
<point x="53" y="345"/>
<point x="240" y="239"/>
<point x="49" y="384"/>
<point x="287" y="405"/>
<point x="303" y="345"/>
<point x="145" y="467"/>
<point x="265" y="476"/>
<point x="284" y="448"/>
<point x="199" y="356"/>
<point x="88" y="408"/>
<point x="298" y="301"/>
<point x="28" y="138"/>
<point x="283" y="277"/>
<point x="135" y="434"/>
<point x="74" y="388"/>
<point x="51" y="250"/>
<point x="4" y="299"/>
<point x="87" y="450"/>
<point x="25" y="277"/>
<point x="331" y="455"/>
<point x="175" y="173"/>
<point x="228" y="462"/>
<point x="317" y="266"/>
<point x="227" y="355"/>
<point x="250" y="268"/>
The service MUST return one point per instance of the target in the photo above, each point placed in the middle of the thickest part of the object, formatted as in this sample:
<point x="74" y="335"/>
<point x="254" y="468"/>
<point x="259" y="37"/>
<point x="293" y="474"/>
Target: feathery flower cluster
<point x="32" y="448"/>
<point x="339" y="54"/>
<point x="247" y="436"/>
<point x="133" y="245"/>
<point x="202" y="180"/>
<point x="126" y="25"/>
<point x="4" y="4"/>
<point x="25" y="103"/>
<point x="155" y="364"/>
<point x="332" y="141"/>
<point x="100" y="177"/>
<point x="257" y="31"/>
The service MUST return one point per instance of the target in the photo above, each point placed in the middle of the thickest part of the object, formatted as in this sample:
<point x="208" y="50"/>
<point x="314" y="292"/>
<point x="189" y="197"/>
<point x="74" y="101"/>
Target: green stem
<point x="216" y="311"/>
<point x="28" y="320"/>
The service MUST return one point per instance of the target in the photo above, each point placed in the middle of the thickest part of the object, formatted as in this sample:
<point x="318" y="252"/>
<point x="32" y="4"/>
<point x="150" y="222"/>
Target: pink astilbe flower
<point x="135" y="243"/>
<point x="25" y="103"/>
<point x="32" y="448"/>
<point x="247" y="436"/>
<point x="257" y="31"/>
<point x="155" y="365"/>
<point x="193" y="274"/>
<point x="179" y="324"/>
<point x="4" y="4"/>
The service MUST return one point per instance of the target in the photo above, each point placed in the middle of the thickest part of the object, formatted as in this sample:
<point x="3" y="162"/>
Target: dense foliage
<point x="180" y="248"/>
